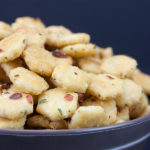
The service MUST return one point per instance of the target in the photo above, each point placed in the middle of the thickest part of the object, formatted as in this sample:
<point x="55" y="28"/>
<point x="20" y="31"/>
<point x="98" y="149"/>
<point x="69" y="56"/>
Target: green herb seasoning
<point x="40" y="34"/>
<point x="60" y="111"/>
<point x="24" y="112"/>
<point x="43" y="101"/>
<point x="24" y="41"/>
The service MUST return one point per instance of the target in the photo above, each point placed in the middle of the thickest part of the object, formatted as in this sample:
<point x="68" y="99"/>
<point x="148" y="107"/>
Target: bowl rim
<point x="67" y="132"/>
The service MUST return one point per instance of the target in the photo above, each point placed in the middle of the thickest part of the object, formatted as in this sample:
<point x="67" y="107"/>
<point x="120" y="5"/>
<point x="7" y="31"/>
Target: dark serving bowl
<point x="132" y="135"/>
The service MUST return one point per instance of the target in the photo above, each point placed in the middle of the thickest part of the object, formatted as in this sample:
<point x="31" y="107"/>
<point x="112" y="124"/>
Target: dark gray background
<point x="122" y="24"/>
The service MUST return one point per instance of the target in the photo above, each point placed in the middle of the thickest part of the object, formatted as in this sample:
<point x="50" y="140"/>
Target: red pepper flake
<point x="68" y="97"/>
<point x="94" y="46"/>
<point x="57" y="53"/>
<point x="16" y="96"/>
<point x="109" y="77"/>
<point x="17" y="75"/>
<point x="81" y="97"/>
<point x="29" y="99"/>
<point x="1" y="50"/>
